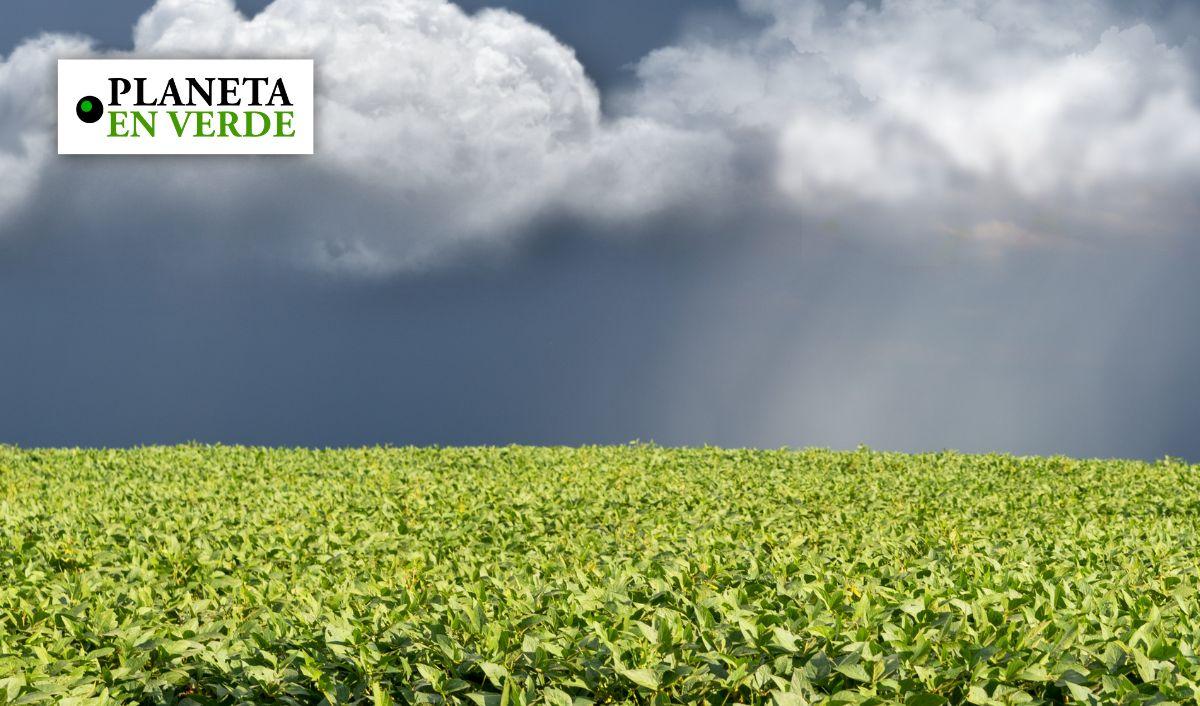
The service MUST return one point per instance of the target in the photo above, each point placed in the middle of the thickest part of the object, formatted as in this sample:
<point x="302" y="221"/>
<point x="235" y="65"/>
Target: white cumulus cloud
<point x="26" y="141"/>
<point x="941" y="104"/>
<point x="438" y="128"/>
<point x="435" y="127"/>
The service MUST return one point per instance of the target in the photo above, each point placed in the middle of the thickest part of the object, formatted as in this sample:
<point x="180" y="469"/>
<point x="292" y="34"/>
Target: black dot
<point x="89" y="109"/>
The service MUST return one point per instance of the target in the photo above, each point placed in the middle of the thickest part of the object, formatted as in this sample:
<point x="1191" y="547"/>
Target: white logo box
<point x="126" y="128"/>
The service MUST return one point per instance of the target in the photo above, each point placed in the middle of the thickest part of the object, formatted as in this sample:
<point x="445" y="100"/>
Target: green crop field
<point x="637" y="574"/>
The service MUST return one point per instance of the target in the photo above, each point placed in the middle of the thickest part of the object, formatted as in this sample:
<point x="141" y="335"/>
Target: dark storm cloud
<point x="760" y="340"/>
<point x="850" y="275"/>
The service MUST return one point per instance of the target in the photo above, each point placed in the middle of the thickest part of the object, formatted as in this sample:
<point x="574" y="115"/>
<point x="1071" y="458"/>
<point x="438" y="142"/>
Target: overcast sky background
<point x="912" y="226"/>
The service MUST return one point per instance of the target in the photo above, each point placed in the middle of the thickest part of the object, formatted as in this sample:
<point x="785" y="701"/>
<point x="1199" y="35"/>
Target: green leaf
<point x="496" y="673"/>
<point x="432" y="674"/>
<point x="785" y="639"/>
<point x="642" y="677"/>
<point x="380" y="696"/>
<point x="855" y="671"/>
<point x="1080" y="693"/>
<point x="782" y="698"/>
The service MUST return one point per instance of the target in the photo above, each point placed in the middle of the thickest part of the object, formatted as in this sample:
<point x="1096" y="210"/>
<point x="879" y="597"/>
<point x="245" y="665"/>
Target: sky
<point x="912" y="225"/>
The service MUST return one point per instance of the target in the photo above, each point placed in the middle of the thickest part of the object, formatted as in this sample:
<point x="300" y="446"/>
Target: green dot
<point x="86" y="106"/>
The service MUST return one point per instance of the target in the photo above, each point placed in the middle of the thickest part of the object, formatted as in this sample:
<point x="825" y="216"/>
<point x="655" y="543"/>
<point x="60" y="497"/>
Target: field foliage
<point x="638" y="574"/>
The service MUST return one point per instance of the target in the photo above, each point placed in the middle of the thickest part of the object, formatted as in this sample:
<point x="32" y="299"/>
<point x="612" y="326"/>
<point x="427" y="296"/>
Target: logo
<point x="186" y="106"/>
